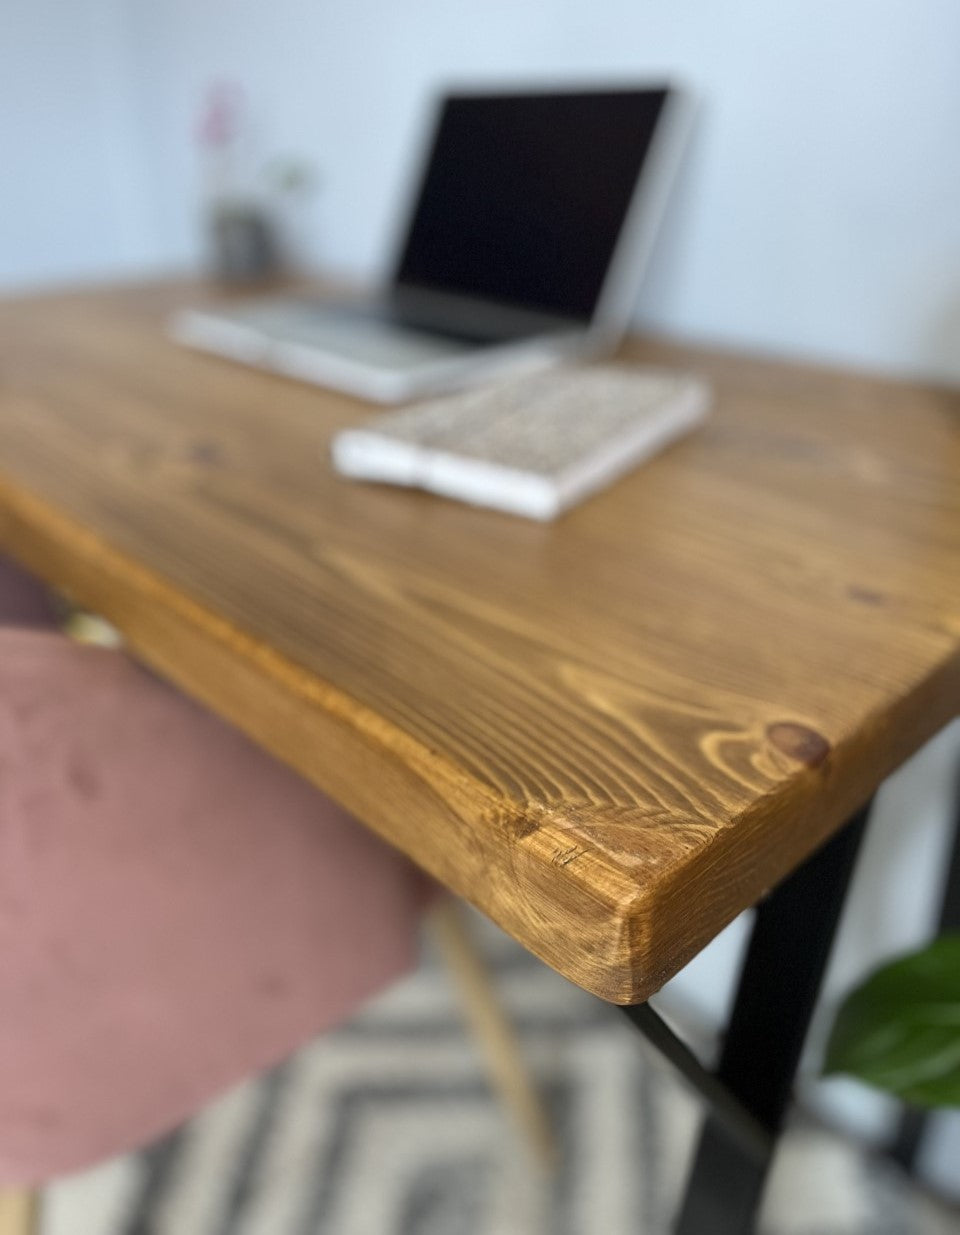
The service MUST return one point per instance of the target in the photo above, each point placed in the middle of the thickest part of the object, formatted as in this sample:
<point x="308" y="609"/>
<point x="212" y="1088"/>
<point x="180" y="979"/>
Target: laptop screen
<point x="524" y="196"/>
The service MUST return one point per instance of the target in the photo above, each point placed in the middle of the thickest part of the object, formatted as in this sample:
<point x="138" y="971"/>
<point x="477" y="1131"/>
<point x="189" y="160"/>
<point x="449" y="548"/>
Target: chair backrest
<point x="177" y="909"/>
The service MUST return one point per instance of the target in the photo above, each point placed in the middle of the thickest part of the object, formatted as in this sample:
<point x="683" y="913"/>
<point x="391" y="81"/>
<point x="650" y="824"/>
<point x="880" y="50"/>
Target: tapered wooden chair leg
<point x="19" y="1212"/>
<point x="491" y="1027"/>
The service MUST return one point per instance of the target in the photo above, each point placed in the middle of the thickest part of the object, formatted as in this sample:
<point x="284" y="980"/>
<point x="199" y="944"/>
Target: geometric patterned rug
<point x="388" y="1126"/>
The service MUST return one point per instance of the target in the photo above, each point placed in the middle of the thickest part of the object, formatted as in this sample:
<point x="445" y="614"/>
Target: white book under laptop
<point x="529" y="235"/>
<point x="532" y="446"/>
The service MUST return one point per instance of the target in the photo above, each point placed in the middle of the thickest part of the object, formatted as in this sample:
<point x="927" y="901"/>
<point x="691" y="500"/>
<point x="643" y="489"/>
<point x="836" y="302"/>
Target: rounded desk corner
<point x="582" y="913"/>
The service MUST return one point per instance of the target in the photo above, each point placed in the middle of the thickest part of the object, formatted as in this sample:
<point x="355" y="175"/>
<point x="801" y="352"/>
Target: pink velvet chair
<point x="177" y="910"/>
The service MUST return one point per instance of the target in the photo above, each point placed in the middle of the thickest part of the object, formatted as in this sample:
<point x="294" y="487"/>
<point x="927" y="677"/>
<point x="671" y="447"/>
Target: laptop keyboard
<point x="358" y="333"/>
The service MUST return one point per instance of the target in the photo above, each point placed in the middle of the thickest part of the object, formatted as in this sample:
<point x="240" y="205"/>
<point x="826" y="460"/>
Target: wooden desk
<point x="613" y="733"/>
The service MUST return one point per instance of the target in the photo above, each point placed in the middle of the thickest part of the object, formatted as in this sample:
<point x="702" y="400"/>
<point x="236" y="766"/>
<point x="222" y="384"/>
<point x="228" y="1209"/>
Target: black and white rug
<point x="389" y="1127"/>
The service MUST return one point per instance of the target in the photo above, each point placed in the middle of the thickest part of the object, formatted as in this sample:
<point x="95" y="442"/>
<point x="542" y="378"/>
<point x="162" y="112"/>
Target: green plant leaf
<point x="900" y="1030"/>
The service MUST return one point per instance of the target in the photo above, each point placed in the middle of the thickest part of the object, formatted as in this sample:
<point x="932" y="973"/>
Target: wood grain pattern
<point x="612" y="733"/>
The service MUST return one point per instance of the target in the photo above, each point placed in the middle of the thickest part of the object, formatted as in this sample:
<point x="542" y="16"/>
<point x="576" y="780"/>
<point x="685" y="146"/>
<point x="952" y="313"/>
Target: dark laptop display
<point x="525" y="195"/>
<point x="533" y="220"/>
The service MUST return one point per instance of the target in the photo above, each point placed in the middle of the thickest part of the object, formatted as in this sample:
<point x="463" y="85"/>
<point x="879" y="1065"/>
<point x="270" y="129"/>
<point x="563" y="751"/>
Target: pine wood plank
<point x="612" y="733"/>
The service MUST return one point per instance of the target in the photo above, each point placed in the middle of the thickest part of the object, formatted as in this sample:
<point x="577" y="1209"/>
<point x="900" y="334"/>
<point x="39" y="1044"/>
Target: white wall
<point x="819" y="209"/>
<point x="73" y="199"/>
<point x="817" y="214"/>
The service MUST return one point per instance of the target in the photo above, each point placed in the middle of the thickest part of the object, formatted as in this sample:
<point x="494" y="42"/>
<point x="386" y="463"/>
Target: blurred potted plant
<point x="240" y="238"/>
<point x="292" y="183"/>
<point x="256" y="218"/>
<point x="900" y="1029"/>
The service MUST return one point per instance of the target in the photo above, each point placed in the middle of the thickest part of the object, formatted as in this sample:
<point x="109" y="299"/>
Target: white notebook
<point x="533" y="446"/>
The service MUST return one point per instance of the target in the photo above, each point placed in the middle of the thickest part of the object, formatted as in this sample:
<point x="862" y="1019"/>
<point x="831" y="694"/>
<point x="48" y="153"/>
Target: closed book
<point x="533" y="446"/>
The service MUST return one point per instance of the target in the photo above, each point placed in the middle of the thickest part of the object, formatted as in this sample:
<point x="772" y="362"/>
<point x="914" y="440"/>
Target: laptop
<point x="531" y="227"/>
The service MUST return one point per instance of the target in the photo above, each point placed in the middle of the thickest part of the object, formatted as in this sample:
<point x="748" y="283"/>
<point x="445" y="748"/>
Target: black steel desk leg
<point x="779" y="983"/>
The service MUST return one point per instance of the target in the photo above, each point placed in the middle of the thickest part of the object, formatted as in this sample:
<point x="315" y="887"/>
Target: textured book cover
<point x="534" y="445"/>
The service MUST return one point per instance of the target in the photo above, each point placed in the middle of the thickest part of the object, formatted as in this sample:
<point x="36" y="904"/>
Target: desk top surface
<point x="612" y="733"/>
